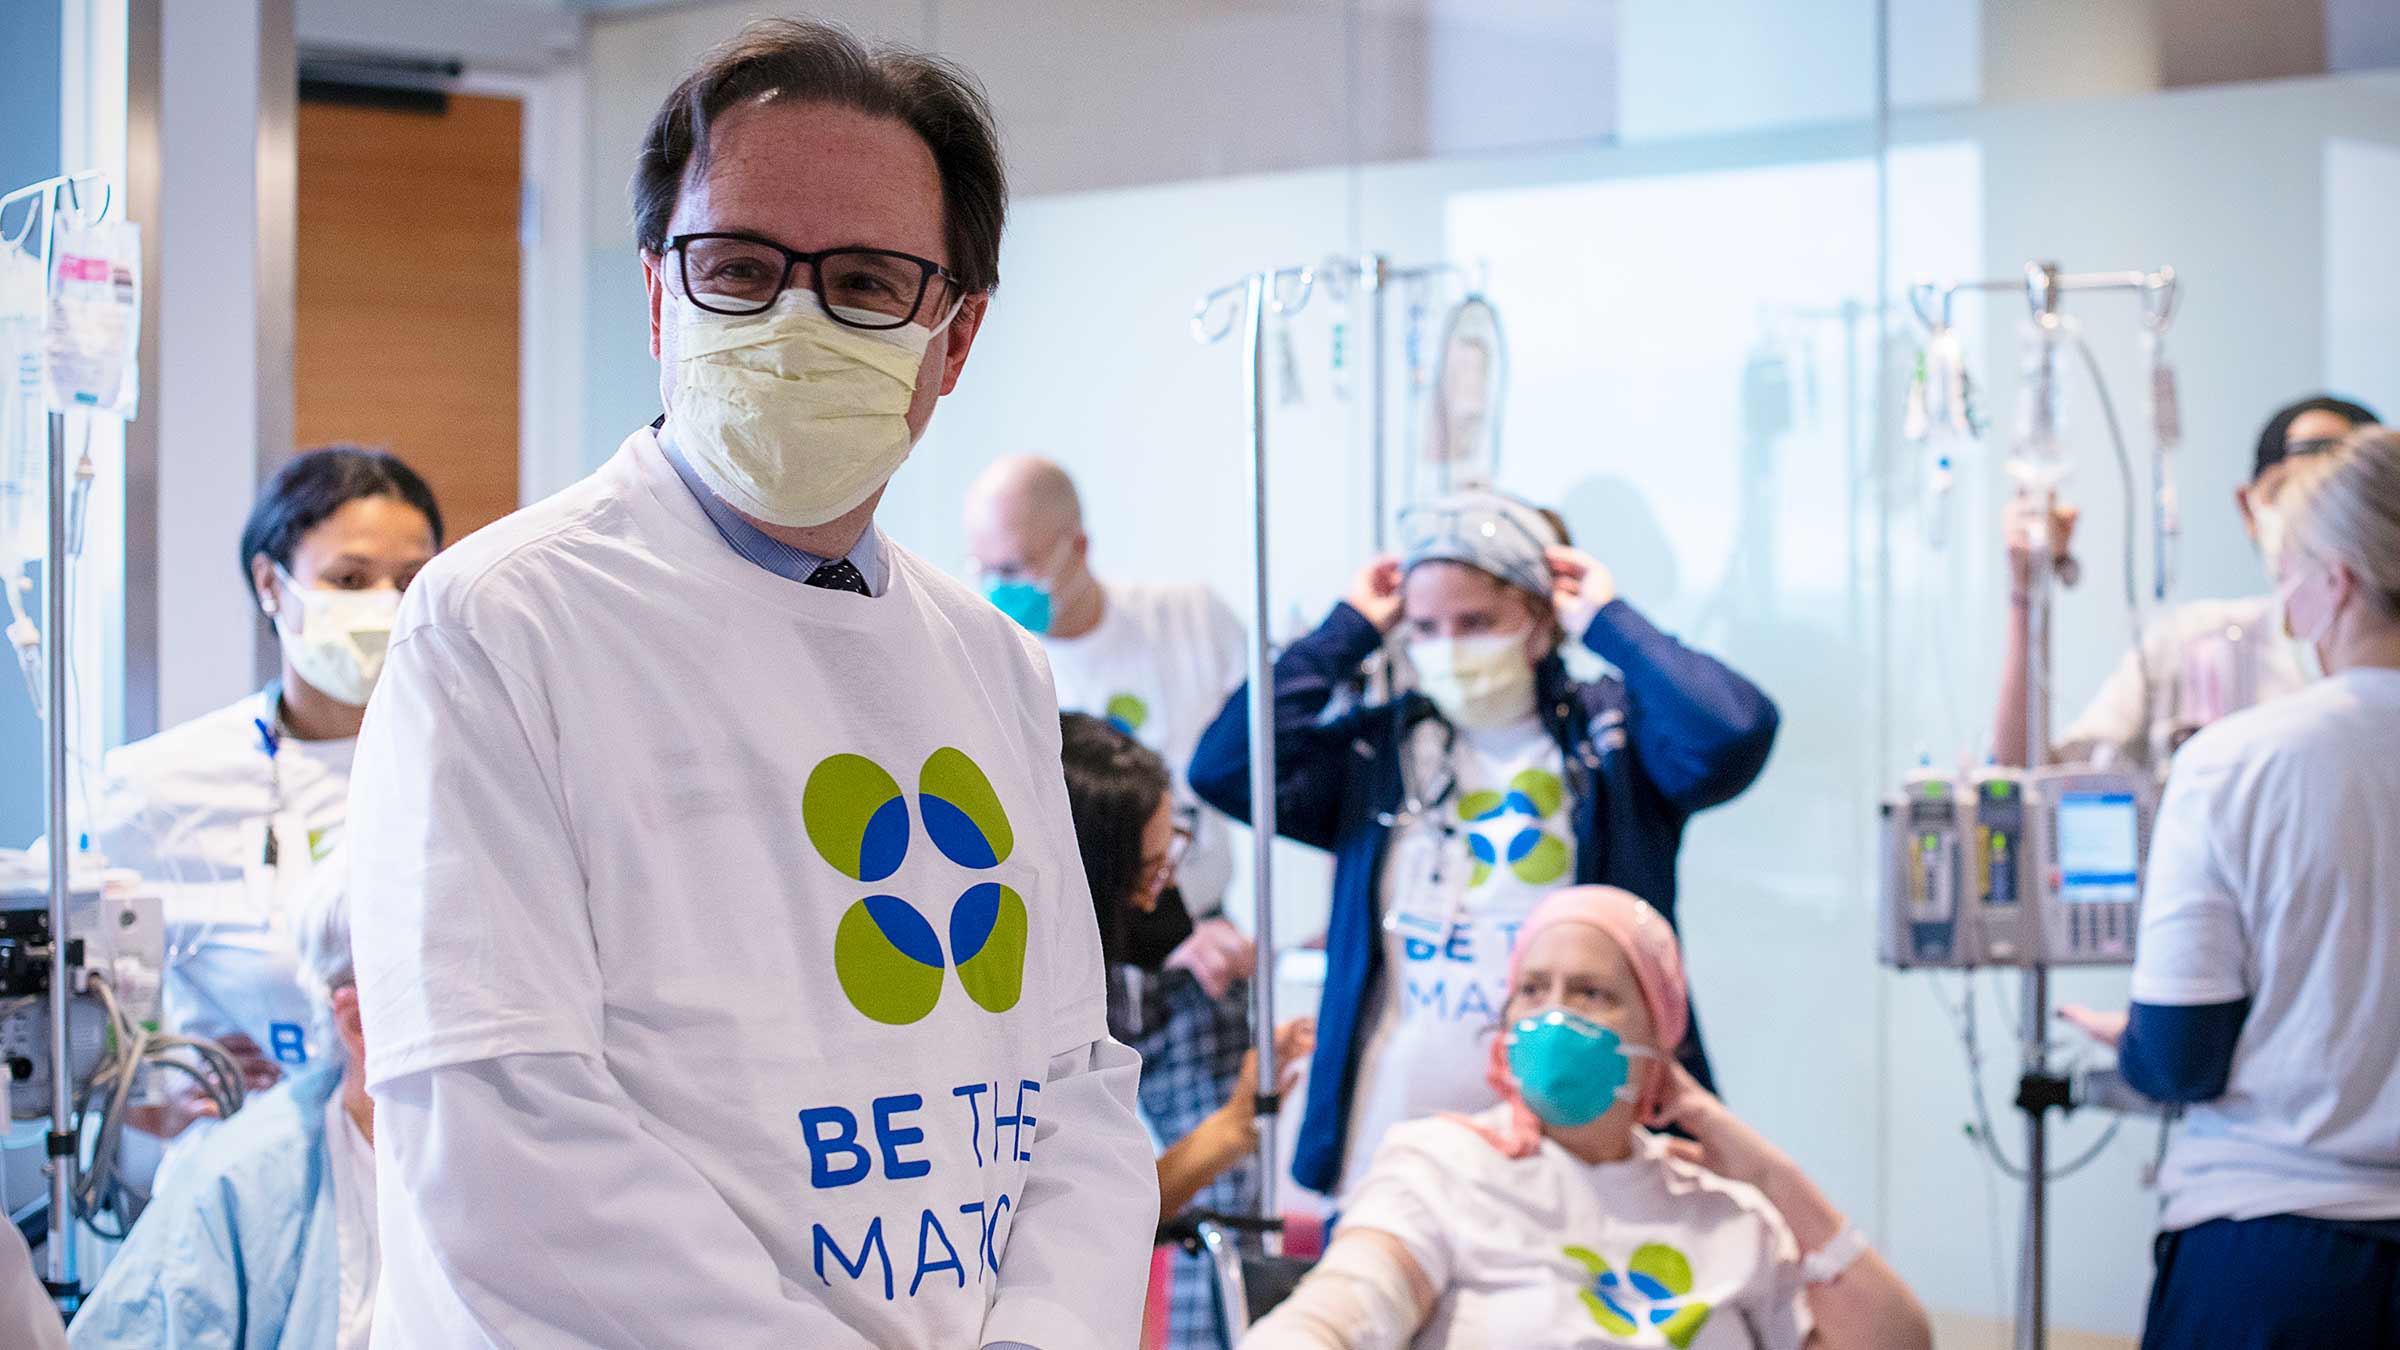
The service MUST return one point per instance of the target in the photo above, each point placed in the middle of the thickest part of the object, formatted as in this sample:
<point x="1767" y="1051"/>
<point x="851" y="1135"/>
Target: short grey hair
<point x="323" y="927"/>
<point x="2344" y="507"/>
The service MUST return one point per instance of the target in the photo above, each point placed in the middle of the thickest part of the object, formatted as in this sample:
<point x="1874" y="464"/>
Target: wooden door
<point x="406" y="338"/>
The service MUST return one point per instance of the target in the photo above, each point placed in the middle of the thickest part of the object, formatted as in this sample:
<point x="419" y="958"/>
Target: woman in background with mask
<point x="1555" y="1220"/>
<point x="227" y="812"/>
<point x="1452" y="809"/>
<point x="2266" y="981"/>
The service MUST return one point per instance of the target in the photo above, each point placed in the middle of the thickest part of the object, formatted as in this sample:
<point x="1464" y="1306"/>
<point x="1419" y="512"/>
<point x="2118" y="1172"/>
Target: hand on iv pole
<point x="1375" y="593"/>
<point x="2022" y="523"/>
<point x="1581" y="586"/>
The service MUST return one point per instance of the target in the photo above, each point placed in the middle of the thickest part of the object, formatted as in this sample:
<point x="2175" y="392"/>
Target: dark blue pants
<point x="2278" y="1283"/>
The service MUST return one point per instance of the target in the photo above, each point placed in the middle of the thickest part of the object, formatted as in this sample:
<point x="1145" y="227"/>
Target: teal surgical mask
<point x="1027" y="602"/>
<point x="1569" y="1069"/>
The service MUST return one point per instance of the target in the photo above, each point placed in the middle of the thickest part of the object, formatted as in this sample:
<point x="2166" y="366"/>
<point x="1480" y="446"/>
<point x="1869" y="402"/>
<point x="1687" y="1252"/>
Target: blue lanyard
<point x="270" y="740"/>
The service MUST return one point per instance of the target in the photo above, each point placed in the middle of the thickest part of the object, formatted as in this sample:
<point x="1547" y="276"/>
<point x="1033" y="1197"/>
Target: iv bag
<point x="95" y="319"/>
<point x="2039" y="460"/>
<point x="24" y="430"/>
<point x="1462" y="439"/>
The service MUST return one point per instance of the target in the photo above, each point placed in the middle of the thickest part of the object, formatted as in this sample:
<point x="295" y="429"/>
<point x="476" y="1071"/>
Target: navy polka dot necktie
<point x="839" y="575"/>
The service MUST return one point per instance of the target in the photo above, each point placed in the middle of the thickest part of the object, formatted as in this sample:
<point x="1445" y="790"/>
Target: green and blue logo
<point x="1128" y="713"/>
<point x="886" y="953"/>
<point x="1507" y="829"/>
<point x="1653" y="1291"/>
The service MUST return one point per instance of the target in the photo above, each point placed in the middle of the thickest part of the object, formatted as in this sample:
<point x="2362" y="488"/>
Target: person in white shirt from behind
<point x="729" y="968"/>
<point x="1554" y="1221"/>
<point x="2266" y="977"/>
<point x="2207" y="658"/>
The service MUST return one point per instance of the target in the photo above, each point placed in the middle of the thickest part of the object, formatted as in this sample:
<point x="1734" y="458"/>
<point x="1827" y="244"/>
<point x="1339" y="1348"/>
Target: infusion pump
<point x="115" y="925"/>
<point x="2013" y="868"/>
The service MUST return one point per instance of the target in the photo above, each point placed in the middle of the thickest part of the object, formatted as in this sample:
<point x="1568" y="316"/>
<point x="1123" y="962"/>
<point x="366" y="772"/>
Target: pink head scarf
<point x="1649" y="947"/>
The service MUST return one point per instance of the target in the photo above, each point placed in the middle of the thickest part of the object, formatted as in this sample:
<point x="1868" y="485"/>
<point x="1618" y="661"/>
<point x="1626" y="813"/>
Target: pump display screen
<point x="2099" y="847"/>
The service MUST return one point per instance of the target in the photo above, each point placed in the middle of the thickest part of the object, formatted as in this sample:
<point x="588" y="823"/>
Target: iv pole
<point x="47" y="197"/>
<point x="1284" y="292"/>
<point x="2039" y="1090"/>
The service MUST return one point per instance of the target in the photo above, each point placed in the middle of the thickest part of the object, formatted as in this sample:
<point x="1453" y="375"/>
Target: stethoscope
<point x="1416" y="807"/>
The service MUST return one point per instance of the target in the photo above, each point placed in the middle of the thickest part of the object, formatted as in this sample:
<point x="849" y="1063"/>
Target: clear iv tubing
<point x="2133" y="585"/>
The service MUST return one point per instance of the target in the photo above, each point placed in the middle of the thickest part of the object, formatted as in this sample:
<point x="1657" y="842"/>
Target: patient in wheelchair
<point x="1557" y="1218"/>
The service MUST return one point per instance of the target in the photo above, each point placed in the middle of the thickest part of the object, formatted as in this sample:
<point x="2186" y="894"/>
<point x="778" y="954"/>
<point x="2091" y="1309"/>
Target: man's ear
<point x="959" y="337"/>
<point x="654" y="282"/>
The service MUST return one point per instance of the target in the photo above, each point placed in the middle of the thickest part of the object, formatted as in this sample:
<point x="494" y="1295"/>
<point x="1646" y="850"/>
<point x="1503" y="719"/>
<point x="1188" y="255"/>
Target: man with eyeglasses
<point x="2207" y="659"/>
<point x="1156" y="661"/>
<point x="735" y="978"/>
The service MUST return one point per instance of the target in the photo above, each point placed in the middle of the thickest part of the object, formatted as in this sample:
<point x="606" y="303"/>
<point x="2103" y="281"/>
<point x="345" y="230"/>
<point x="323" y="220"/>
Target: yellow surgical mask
<point x="792" y="418"/>
<point x="1478" y="683"/>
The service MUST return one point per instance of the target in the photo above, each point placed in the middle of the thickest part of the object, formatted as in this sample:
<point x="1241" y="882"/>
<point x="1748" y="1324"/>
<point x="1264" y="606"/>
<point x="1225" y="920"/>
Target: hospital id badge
<point x="1432" y="894"/>
<point x="276" y="861"/>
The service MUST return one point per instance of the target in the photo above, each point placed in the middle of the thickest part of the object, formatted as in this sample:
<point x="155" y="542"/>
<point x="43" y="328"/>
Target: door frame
<point x="551" y="256"/>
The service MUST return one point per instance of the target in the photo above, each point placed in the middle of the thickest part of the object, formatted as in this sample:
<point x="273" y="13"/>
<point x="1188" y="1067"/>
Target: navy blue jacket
<point x="1678" y="734"/>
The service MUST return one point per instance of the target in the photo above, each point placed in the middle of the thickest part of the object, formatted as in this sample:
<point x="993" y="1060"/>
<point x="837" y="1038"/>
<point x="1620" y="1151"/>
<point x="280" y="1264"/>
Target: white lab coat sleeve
<point x="524" y="1205"/>
<point x="1078" y="1258"/>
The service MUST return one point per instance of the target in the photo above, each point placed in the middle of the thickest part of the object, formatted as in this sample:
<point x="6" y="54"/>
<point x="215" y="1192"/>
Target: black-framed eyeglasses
<point x="877" y="289"/>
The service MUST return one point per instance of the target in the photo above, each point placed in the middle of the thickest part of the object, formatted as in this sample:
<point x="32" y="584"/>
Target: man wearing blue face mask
<point x="732" y="974"/>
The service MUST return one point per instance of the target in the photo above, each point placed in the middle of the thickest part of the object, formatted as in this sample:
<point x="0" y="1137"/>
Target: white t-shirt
<point x="2272" y="877"/>
<point x="1484" y="857"/>
<point x="1160" y="667"/>
<point x="189" y="809"/>
<point x="351" y="1162"/>
<point x="2206" y="660"/>
<point x="1549" y="1252"/>
<point x="795" y="865"/>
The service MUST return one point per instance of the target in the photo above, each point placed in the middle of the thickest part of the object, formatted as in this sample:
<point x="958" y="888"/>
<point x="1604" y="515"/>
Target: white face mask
<point x="335" y="640"/>
<point x="2307" y="647"/>
<point x="790" y="417"/>
<point x="1478" y="682"/>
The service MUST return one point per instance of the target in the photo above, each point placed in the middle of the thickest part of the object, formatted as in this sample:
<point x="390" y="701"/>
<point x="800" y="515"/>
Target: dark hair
<point x="306" y="492"/>
<point x="803" y="62"/>
<point x="2271" y="438"/>
<point x="1114" y="787"/>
